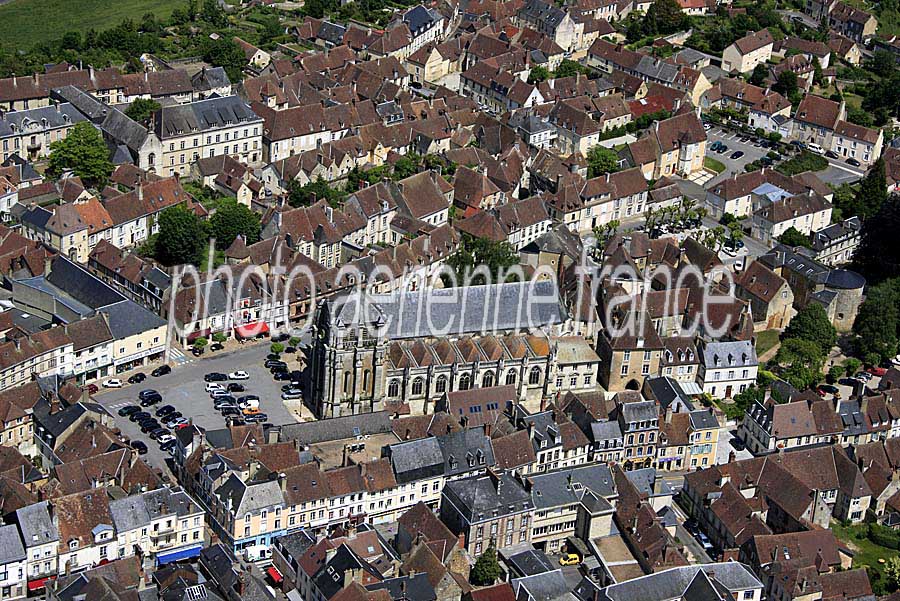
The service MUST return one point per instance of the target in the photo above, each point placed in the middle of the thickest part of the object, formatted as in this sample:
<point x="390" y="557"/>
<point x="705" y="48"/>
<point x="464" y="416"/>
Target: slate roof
<point x="203" y="115"/>
<point x="450" y="454"/>
<point x="11" y="549"/>
<point x="477" y="497"/>
<point x="567" y="486"/>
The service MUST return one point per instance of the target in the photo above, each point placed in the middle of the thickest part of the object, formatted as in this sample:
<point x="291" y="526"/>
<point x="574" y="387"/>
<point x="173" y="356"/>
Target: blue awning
<point x="164" y="558"/>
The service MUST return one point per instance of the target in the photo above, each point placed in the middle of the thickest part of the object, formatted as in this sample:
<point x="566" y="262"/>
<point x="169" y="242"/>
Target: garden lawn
<point x="713" y="164"/>
<point x="765" y="340"/>
<point x="25" y="23"/>
<point x="867" y="552"/>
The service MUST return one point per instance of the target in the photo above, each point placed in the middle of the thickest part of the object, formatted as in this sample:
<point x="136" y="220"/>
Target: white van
<point x="815" y="148"/>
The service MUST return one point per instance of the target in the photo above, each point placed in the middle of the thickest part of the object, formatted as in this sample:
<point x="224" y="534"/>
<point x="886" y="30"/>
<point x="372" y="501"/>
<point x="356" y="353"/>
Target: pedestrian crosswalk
<point x="178" y="357"/>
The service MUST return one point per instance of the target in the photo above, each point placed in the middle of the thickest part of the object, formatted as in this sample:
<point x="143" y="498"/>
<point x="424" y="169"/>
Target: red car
<point x="877" y="371"/>
<point x="92" y="389"/>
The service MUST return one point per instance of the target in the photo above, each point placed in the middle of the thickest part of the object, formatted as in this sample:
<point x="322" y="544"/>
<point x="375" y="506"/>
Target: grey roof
<point x="210" y="78"/>
<point x="11" y="548"/>
<point x="450" y="455"/>
<point x="250" y="496"/>
<point x="526" y="560"/>
<point x="89" y="106"/>
<point x="702" y="419"/>
<point x="567" y="486"/>
<point x="349" y="426"/>
<point x="826" y="236"/>
<point x="331" y="32"/>
<point x="667" y="391"/>
<point x="478" y="498"/>
<point x="639" y="411"/>
<point x="670" y="584"/>
<point x="127" y="318"/>
<point x="541" y="587"/>
<point x="606" y="430"/>
<point x="212" y="113"/>
<point x="60" y="421"/>
<point x="844" y="279"/>
<point x="81" y="284"/>
<point x="296" y="543"/>
<point x="657" y="69"/>
<point x="732" y="353"/>
<point x="36" y="525"/>
<point x="539" y="10"/>
<point x="139" y="510"/>
<point x="441" y="312"/>
<point x="419" y="18"/>
<point x="412" y="587"/>
<point x="36" y="216"/>
<point x="39" y="120"/>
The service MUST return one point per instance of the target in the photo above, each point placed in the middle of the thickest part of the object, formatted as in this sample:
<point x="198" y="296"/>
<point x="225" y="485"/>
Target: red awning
<point x="198" y="334"/>
<point x="252" y="329"/>
<point x="36" y="585"/>
<point x="275" y="574"/>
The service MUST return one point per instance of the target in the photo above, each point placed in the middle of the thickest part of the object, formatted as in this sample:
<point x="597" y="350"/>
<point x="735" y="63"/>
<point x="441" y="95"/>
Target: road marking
<point x="177" y="356"/>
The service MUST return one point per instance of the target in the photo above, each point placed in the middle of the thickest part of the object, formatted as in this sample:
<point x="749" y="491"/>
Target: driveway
<point x="184" y="389"/>
<point x="839" y="172"/>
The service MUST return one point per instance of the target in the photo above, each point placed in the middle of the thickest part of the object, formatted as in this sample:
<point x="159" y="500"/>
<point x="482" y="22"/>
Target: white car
<point x="113" y="383"/>
<point x="217" y="393"/>
<point x="165" y="438"/>
<point x="211" y="386"/>
<point x="238" y="375"/>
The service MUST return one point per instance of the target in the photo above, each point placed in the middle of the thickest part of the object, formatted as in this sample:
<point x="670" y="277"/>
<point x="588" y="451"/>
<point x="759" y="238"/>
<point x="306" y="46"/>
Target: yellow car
<point x="251" y="411"/>
<point x="569" y="560"/>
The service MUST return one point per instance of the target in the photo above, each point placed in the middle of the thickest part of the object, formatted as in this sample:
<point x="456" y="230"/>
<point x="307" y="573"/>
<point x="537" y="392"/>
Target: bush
<point x="805" y="161"/>
<point x="884" y="536"/>
<point x="276" y="348"/>
<point x="219" y="337"/>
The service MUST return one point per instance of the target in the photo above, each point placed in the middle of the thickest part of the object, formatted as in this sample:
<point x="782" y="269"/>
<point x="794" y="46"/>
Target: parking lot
<point x="184" y="389"/>
<point x="733" y="141"/>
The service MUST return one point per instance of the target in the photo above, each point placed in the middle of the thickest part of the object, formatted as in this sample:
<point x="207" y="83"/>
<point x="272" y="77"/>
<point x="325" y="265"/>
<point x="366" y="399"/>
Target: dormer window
<point x="73" y="544"/>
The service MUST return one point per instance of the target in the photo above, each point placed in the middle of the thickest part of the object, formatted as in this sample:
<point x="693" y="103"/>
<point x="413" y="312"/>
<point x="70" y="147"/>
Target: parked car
<point x="162" y="370"/>
<point x="853" y="162"/>
<point x="877" y="370"/>
<point x="155" y="434"/>
<point x="92" y="389"/>
<point x="137" y="378"/>
<point x="138" y="415"/>
<point x="197" y="351"/>
<point x="128" y="410"/>
<point x="226" y="411"/>
<point x="815" y="148"/>
<point x="292" y="390"/>
<point x="290" y="396"/>
<point x="737" y="154"/>
<point x="235" y="387"/>
<point x="239" y="375"/>
<point x="148" y="392"/>
<point x="168" y="445"/>
<point x="218" y="393"/>
<point x="569" y="559"/>
<point x="172" y="417"/>
<point x="224" y="399"/>
<point x="722" y="149"/>
<point x="150" y="401"/>
<point x="831" y="154"/>
<point x="216" y="346"/>
<point x="824" y="389"/>
<point x="256" y="418"/>
<point x="863" y="375"/>
<point x="181" y="421"/>
<point x="163" y="439"/>
<point x="165" y="410"/>
<point x="139" y="446"/>
<point x="270" y="363"/>
<point x="281" y="376"/>
<point x="214" y="386"/>
<point x="215" y="377"/>
<point x="149" y="426"/>
<point x="112" y="383"/>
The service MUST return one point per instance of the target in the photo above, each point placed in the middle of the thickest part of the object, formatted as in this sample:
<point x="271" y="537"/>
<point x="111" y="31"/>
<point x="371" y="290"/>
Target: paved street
<point x="184" y="388"/>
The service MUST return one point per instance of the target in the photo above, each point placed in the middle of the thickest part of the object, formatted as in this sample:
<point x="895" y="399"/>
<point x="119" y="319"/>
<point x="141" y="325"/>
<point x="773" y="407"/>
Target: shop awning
<point x="36" y="585"/>
<point x="275" y="574"/>
<point x="198" y="334"/>
<point x="252" y="329"/>
<point x="164" y="558"/>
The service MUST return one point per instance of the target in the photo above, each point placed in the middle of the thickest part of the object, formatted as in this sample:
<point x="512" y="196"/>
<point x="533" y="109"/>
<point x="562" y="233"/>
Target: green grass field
<point x="766" y="340"/>
<point x="24" y="23"/>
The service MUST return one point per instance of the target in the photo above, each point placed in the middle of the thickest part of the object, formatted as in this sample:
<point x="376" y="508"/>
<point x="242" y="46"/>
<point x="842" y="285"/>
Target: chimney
<point x="54" y="403"/>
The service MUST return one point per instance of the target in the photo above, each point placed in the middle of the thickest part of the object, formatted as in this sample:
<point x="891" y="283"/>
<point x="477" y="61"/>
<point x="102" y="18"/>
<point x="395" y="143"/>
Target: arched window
<point x="394" y="388"/>
<point x="417" y="386"/>
<point x="465" y="381"/>
<point x="534" y="376"/>
<point x="441" y="384"/>
<point x="347" y="382"/>
<point x="366" y="375"/>
<point x="487" y="380"/>
<point x="511" y="377"/>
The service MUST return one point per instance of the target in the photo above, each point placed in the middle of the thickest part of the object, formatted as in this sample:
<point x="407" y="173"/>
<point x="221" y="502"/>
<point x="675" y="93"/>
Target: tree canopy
<point x="794" y="237"/>
<point x="474" y="252"/>
<point x="878" y="321"/>
<point x="812" y="323"/>
<point x="232" y="218"/>
<point x="800" y="362"/>
<point x="141" y="109"/>
<point x="224" y="52"/>
<point x="486" y="570"/>
<point x="182" y="237"/>
<point x="602" y="160"/>
<point x="877" y="257"/>
<point x="84" y="152"/>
